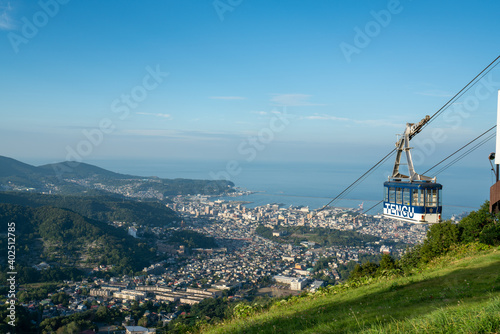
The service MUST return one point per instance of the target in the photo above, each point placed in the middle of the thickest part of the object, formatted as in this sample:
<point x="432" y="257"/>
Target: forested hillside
<point x="66" y="239"/>
<point x="102" y="208"/>
<point x="84" y="179"/>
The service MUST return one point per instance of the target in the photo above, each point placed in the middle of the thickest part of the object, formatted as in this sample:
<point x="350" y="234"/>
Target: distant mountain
<point x="12" y="167"/>
<point x="82" y="178"/>
<point x="81" y="170"/>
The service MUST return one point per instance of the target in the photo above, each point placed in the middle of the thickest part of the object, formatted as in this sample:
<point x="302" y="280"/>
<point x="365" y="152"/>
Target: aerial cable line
<point x="461" y="148"/>
<point x="366" y="176"/>
<point x="352" y="185"/>
<point x="466" y="153"/>
<point x="469" y="85"/>
<point x="365" y="211"/>
<point x="449" y="164"/>
<point x="491" y="136"/>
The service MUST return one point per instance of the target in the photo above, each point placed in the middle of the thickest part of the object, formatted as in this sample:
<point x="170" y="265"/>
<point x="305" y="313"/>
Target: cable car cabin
<point x="413" y="198"/>
<point x="415" y="202"/>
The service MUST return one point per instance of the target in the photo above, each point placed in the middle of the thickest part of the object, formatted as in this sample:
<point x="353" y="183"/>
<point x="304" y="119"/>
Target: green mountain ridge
<point x="81" y="170"/>
<point x="12" y="167"/>
<point x="102" y="208"/>
<point x="82" y="178"/>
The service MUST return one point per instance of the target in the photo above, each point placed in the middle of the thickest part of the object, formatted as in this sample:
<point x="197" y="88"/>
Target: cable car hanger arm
<point x="403" y="144"/>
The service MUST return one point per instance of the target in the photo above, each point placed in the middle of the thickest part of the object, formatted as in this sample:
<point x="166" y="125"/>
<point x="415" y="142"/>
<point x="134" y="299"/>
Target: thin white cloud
<point x="293" y="100"/>
<point x="326" y="117"/>
<point x="6" y="20"/>
<point x="380" y="122"/>
<point x="167" y="116"/>
<point x="435" y="93"/>
<point x="180" y="134"/>
<point x="262" y="113"/>
<point x="227" y="97"/>
<point x="369" y="122"/>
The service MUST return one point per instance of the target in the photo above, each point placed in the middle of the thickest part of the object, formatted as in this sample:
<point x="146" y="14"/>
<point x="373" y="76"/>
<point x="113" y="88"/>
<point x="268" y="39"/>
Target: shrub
<point x="387" y="262"/>
<point x="243" y="310"/>
<point x="490" y="235"/>
<point x="410" y="259"/>
<point x="475" y="222"/>
<point x="439" y="239"/>
<point x="367" y="269"/>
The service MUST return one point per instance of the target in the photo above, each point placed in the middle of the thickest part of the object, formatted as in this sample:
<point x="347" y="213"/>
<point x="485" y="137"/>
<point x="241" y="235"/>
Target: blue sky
<point x="205" y="78"/>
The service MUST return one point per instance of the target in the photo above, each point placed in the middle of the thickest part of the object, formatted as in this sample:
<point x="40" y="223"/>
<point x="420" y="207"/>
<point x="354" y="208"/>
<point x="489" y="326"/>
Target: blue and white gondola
<point x="413" y="198"/>
<point x="415" y="202"/>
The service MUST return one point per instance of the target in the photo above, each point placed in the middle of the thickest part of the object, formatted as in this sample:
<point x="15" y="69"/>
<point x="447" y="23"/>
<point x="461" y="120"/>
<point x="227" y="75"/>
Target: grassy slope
<point x="459" y="293"/>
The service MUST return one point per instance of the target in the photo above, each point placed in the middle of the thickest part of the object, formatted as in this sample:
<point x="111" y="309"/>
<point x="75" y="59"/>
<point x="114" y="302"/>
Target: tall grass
<point x="459" y="294"/>
<point x="482" y="318"/>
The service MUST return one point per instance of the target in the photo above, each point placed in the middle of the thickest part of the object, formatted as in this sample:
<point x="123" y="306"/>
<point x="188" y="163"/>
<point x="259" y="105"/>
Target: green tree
<point x="322" y="263"/>
<point x="368" y="269"/>
<point x="387" y="263"/>
<point x="102" y="313"/>
<point x="410" y="259"/>
<point x="474" y="223"/>
<point x="490" y="234"/>
<point x="143" y="322"/>
<point x="440" y="237"/>
<point x="71" y="328"/>
<point x="60" y="298"/>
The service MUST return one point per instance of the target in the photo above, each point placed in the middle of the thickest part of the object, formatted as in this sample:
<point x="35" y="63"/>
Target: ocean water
<point x="313" y="184"/>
